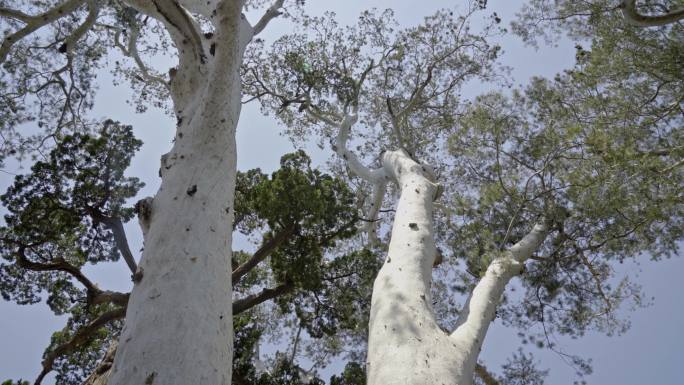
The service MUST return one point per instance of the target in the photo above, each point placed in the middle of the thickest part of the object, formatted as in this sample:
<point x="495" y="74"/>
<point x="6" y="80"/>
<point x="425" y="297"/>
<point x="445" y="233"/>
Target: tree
<point x="49" y="56"/>
<point x="561" y="153"/>
<point x="553" y="183"/>
<point x="69" y="210"/>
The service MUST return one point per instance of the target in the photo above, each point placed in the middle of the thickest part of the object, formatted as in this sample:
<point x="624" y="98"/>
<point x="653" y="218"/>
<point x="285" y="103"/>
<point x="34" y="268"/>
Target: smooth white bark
<point x="178" y="327"/>
<point x="406" y="344"/>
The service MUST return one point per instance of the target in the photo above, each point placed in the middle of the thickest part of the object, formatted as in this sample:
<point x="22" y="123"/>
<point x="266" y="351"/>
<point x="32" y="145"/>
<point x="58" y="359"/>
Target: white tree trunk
<point x="406" y="344"/>
<point x="178" y="327"/>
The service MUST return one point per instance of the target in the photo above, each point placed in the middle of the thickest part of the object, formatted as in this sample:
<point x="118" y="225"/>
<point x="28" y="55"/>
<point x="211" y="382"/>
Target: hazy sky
<point x="650" y="352"/>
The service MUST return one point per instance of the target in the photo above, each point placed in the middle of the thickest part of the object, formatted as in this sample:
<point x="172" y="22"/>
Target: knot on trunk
<point x="144" y="211"/>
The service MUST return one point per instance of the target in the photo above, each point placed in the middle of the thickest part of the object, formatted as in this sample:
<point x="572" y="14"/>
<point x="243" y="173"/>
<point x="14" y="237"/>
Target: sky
<point x="650" y="352"/>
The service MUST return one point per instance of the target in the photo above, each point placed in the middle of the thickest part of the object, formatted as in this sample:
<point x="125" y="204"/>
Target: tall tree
<point x="553" y="184"/>
<point x="49" y="56"/>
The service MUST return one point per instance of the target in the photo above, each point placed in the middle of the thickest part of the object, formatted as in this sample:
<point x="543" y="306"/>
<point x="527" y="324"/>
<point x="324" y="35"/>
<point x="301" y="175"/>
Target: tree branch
<point x="485" y="376"/>
<point x="80" y="337"/>
<point x="375" y="204"/>
<point x="530" y="242"/>
<point x="16" y="15"/>
<point x="371" y="175"/>
<point x="264" y="295"/>
<point x="33" y="23"/>
<point x="133" y="53"/>
<point x="633" y="17"/>
<point x="264" y="251"/>
<point x="116" y="226"/>
<point x="271" y="13"/>
<point x="95" y="295"/>
<point x="175" y="16"/>
<point x="93" y="12"/>
<point x="480" y="307"/>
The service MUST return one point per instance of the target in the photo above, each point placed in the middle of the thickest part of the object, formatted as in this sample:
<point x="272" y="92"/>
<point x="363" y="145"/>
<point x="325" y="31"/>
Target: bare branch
<point x="264" y="251"/>
<point x="371" y="175"/>
<point x="95" y="295"/>
<point x="395" y="125"/>
<point x="132" y="51"/>
<point x="250" y="301"/>
<point x="480" y="307"/>
<point x="376" y="202"/>
<point x="81" y="337"/>
<point x="530" y="242"/>
<point x="116" y="226"/>
<point x="271" y="13"/>
<point x="35" y="22"/>
<point x="16" y="15"/>
<point x="93" y="12"/>
<point x="485" y="376"/>
<point x="633" y="17"/>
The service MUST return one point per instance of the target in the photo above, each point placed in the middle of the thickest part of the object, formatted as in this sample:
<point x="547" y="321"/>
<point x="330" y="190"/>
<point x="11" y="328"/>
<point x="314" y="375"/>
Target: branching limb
<point x="93" y="12"/>
<point x="395" y="125"/>
<point x="187" y="33"/>
<point x="250" y="301"/>
<point x="480" y="308"/>
<point x="33" y="23"/>
<point x="16" y="15"/>
<point x="485" y="376"/>
<point x="82" y="336"/>
<point x="264" y="251"/>
<point x="95" y="295"/>
<point x="132" y="51"/>
<point x="378" y="177"/>
<point x="522" y="250"/>
<point x="271" y="13"/>
<point x="340" y="147"/>
<point x="633" y="17"/>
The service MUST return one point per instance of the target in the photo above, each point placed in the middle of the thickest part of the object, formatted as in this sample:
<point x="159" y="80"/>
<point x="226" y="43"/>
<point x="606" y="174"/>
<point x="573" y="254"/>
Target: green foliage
<point x="19" y="382"/>
<point x="329" y="69"/>
<point x="521" y="370"/>
<point x="54" y="226"/>
<point x="284" y="372"/>
<point x="353" y="374"/>
<point x="598" y="151"/>
<point x="53" y="215"/>
<point x="327" y="288"/>
<point x="71" y="368"/>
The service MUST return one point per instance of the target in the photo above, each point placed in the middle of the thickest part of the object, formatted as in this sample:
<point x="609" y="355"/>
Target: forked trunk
<point x="406" y="344"/>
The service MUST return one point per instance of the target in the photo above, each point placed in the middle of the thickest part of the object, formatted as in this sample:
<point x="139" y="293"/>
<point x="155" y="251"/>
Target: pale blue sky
<point x="650" y="352"/>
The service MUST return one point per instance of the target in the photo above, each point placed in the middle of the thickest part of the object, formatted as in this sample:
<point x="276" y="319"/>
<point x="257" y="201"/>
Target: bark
<point x="406" y="344"/>
<point x="178" y="327"/>
<point x="633" y="17"/>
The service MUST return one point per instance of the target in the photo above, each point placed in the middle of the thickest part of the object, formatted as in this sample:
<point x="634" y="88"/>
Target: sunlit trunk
<point x="406" y="344"/>
<point x="178" y="327"/>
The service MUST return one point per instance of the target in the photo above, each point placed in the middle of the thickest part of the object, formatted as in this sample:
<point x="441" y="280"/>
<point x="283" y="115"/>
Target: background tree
<point x="554" y="183"/>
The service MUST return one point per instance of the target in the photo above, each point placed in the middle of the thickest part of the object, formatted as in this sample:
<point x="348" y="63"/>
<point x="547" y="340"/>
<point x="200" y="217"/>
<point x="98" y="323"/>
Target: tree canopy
<point x="594" y="155"/>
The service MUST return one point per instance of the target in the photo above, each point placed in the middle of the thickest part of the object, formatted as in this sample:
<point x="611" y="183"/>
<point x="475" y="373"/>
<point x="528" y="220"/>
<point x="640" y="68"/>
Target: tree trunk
<point x="178" y="327"/>
<point x="406" y="344"/>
